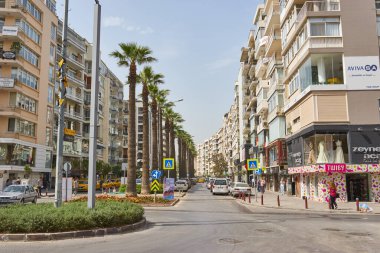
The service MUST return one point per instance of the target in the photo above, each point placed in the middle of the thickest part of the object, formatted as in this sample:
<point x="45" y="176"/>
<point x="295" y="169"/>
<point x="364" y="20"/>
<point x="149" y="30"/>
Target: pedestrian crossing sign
<point x="168" y="163"/>
<point x="253" y="164"/>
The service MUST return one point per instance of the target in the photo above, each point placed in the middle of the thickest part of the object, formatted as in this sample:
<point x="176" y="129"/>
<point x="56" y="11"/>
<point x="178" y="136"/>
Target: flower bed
<point x="72" y="216"/>
<point x="142" y="200"/>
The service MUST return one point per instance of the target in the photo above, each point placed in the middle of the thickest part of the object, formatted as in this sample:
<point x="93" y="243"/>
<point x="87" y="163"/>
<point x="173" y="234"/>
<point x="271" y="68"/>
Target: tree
<point x="130" y="55"/>
<point x="116" y="170"/>
<point x="220" y="165"/>
<point x="147" y="77"/>
<point x="103" y="168"/>
<point x="161" y="103"/>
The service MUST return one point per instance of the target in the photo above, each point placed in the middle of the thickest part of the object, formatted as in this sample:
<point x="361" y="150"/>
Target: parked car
<point x="18" y="194"/>
<point x="188" y="181"/>
<point x="194" y="181"/>
<point x="220" y="186"/>
<point x="181" y="185"/>
<point x="210" y="183"/>
<point x="238" y="187"/>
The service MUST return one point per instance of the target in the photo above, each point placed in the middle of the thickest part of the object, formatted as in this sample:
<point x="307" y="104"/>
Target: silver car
<point x="181" y="185"/>
<point x="240" y="187"/>
<point x="18" y="194"/>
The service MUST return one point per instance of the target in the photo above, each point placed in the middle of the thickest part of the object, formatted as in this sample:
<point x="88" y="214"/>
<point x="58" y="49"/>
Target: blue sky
<point x="197" y="44"/>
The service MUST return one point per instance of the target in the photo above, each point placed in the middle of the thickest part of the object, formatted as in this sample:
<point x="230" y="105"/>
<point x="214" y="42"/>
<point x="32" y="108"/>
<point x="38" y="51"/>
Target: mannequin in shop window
<point x="339" y="156"/>
<point x="311" y="159"/>
<point x="322" y="157"/>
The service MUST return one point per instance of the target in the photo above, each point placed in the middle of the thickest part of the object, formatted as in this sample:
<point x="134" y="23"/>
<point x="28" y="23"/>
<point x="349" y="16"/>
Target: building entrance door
<point x="298" y="186"/>
<point x="357" y="187"/>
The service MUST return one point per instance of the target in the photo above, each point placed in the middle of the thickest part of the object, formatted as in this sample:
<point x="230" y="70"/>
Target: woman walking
<point x="333" y="195"/>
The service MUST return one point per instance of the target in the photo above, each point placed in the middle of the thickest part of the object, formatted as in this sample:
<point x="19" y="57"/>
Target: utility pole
<point x="94" y="108"/>
<point x="61" y="116"/>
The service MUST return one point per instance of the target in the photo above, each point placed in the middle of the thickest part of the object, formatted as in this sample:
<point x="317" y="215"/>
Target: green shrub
<point x="122" y="188"/>
<point x="44" y="218"/>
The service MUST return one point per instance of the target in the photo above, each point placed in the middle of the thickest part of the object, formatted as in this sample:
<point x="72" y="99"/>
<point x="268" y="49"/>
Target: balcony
<point x="75" y="97"/>
<point x="13" y="8"/>
<point x="274" y="62"/>
<point x="277" y="111"/>
<point x="262" y="107"/>
<point x="16" y="61"/>
<point x="72" y="78"/>
<point x="75" y="62"/>
<point x="251" y="72"/>
<point x="261" y="67"/>
<point x="263" y="84"/>
<point x="253" y="84"/>
<point x="274" y="42"/>
<point x="74" y="115"/>
<point x="272" y="18"/>
<point x="74" y="40"/>
<point x="252" y="101"/>
<point x="246" y="97"/>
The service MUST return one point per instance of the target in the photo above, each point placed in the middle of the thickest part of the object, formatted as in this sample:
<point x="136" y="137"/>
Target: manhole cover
<point x="332" y="229"/>
<point x="229" y="241"/>
<point x="359" y="234"/>
<point x="265" y="230"/>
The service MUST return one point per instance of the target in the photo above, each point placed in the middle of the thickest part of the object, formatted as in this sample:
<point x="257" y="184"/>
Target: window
<point x="51" y="5"/>
<point x="25" y="77"/>
<point x="50" y="94"/>
<point x="2" y="21"/>
<point x="17" y="154"/>
<point x="21" y="101"/>
<point x="29" y="56"/>
<point x="48" y="137"/>
<point x="51" y="74"/>
<point x="49" y="159"/>
<point x="49" y="116"/>
<point x="21" y="126"/>
<point x="29" y="30"/>
<point x="324" y="27"/>
<point x="378" y="25"/>
<point x="294" y="84"/>
<point x="32" y="9"/>
<point x="52" y="53"/>
<point x="53" y="32"/>
<point x="377" y="3"/>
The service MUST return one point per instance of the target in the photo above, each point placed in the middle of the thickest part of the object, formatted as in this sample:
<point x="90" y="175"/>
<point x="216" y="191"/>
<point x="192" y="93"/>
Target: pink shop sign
<point x="336" y="167"/>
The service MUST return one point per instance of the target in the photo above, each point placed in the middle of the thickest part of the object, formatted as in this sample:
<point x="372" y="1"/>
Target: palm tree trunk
<point x="145" y="188"/>
<point x="161" y="137"/>
<point x="131" y="170"/>
<point x="172" y="150"/>
<point x="154" y="135"/>
<point x="167" y="140"/>
<point x="179" y="140"/>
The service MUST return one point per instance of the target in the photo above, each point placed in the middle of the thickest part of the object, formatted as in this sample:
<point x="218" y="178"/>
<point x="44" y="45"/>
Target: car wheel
<point x="22" y="201"/>
<point x="34" y="200"/>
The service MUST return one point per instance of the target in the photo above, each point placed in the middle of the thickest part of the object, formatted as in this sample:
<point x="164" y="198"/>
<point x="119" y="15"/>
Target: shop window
<point x="325" y="148"/>
<point x="16" y="154"/>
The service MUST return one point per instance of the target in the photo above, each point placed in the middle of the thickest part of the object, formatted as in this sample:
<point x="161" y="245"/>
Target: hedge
<point x="72" y="216"/>
<point x="123" y="187"/>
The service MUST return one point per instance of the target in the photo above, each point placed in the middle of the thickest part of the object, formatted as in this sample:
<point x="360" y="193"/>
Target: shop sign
<point x="10" y="30"/>
<point x="365" y="147"/>
<point x="336" y="167"/>
<point x="362" y="72"/>
<point x="9" y="55"/>
<point x="7" y="82"/>
<point x="68" y="138"/>
<point x="295" y="153"/>
<point x="70" y="132"/>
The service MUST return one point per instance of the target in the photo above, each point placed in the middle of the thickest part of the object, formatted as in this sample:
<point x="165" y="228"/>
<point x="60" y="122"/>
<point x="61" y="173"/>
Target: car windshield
<point x="82" y="182"/>
<point x="15" y="188"/>
<point x="242" y="185"/>
<point x="220" y="182"/>
<point x="180" y="182"/>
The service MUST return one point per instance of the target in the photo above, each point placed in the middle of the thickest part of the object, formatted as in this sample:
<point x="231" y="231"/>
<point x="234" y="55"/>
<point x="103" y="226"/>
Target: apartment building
<point x="74" y="102"/>
<point x="27" y="43"/>
<point x="332" y="98"/>
<point x="139" y="133"/>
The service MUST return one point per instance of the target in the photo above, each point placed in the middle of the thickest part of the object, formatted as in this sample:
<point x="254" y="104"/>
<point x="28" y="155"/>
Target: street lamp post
<point x="94" y="108"/>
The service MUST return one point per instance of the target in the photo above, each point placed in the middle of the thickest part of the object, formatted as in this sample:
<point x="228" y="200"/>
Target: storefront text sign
<point x="336" y="167"/>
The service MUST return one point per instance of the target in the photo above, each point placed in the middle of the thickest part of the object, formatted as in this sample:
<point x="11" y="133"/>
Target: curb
<point x="73" y="234"/>
<point x="175" y="202"/>
<point x="307" y="210"/>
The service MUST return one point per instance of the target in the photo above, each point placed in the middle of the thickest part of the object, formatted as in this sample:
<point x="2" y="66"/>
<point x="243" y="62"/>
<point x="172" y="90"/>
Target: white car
<point x="18" y="194"/>
<point x="181" y="185"/>
<point x="220" y="186"/>
<point x="239" y="187"/>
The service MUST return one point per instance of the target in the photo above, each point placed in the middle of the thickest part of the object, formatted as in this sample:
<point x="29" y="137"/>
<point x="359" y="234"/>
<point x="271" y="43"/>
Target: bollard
<point x="278" y="200"/>
<point x="249" y="198"/>
<point x="244" y="196"/>
<point x="306" y="206"/>
<point x="262" y="199"/>
<point x="357" y="204"/>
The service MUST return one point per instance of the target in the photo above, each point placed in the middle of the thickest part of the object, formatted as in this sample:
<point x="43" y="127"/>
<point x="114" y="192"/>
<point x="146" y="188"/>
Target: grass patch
<point x="136" y="200"/>
<point x="72" y="216"/>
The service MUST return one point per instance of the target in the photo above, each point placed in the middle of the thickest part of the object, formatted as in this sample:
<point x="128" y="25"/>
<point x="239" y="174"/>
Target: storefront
<point x="348" y="156"/>
<point x="276" y="161"/>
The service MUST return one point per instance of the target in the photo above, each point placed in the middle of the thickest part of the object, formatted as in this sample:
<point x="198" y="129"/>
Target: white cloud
<point x="114" y="21"/>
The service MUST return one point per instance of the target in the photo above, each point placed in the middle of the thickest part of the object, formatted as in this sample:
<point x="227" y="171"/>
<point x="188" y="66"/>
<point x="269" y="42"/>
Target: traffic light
<point x="61" y="90"/>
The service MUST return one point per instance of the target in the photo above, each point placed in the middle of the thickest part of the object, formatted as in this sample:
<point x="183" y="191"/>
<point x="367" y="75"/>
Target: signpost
<point x="253" y="164"/>
<point x="168" y="164"/>
<point x="155" y="185"/>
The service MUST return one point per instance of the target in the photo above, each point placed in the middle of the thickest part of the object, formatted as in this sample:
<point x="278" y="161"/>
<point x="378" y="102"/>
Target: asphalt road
<point x="201" y="222"/>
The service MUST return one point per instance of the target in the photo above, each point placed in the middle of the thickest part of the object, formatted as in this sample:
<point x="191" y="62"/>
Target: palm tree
<point x="130" y="55"/>
<point x="174" y="120"/>
<point x="148" y="78"/>
<point x="161" y="102"/>
<point x="154" y="92"/>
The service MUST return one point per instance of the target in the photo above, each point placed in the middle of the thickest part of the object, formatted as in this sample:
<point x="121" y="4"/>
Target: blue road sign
<point x="258" y="172"/>
<point x="168" y="163"/>
<point x="156" y="174"/>
<point x="252" y="164"/>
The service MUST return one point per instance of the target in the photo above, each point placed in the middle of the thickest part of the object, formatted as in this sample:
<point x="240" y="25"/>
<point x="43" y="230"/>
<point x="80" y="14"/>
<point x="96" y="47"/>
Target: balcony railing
<point x="273" y="11"/>
<point x="317" y="6"/>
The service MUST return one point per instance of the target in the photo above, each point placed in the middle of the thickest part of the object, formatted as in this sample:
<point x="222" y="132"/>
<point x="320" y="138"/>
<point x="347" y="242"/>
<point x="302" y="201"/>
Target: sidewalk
<point x="295" y="203"/>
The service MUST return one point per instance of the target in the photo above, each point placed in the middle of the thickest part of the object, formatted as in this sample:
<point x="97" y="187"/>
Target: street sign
<point x="67" y="166"/>
<point x="258" y="172"/>
<point x="154" y="186"/>
<point x="156" y="174"/>
<point x="252" y="164"/>
<point x="124" y="166"/>
<point x="168" y="163"/>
